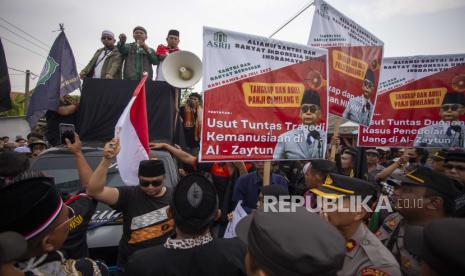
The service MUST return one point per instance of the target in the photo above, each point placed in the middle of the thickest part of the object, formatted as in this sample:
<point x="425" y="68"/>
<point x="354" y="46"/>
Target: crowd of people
<point x="179" y="230"/>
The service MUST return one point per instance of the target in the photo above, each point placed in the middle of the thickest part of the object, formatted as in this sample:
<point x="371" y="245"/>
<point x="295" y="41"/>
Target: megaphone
<point x="182" y="69"/>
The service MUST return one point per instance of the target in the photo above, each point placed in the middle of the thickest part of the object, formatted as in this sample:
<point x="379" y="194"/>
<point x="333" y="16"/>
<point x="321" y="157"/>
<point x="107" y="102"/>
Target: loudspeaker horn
<point x="182" y="69"/>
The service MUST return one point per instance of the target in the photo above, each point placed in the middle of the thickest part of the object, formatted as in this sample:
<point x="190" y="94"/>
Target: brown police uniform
<point x="365" y="255"/>
<point x="391" y="234"/>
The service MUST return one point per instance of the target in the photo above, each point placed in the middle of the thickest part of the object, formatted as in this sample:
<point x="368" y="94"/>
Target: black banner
<point x="103" y="101"/>
<point x="5" y="88"/>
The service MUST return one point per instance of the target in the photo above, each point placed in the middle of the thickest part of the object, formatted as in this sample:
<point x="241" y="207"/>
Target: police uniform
<point x="365" y="254"/>
<point x="391" y="234"/>
<point x="392" y="231"/>
<point x="359" y="110"/>
<point x="440" y="244"/>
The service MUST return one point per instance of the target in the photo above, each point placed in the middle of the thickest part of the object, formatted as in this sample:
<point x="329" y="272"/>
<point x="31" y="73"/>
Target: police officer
<point x="365" y="254"/>
<point x="440" y="244"/>
<point x="290" y="243"/>
<point x="420" y="197"/>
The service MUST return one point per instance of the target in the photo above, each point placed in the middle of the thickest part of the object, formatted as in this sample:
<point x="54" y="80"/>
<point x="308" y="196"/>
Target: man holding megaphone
<point x="163" y="50"/>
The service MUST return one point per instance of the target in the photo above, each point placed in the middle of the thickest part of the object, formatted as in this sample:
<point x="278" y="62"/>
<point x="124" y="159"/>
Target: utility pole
<point x="26" y="91"/>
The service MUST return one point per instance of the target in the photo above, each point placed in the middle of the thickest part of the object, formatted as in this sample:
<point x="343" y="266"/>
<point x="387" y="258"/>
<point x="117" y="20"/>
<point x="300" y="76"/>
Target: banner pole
<point x="266" y="173"/>
<point x="337" y="125"/>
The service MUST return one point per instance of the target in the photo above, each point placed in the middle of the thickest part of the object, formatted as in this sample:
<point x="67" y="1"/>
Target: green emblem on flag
<point x="49" y="69"/>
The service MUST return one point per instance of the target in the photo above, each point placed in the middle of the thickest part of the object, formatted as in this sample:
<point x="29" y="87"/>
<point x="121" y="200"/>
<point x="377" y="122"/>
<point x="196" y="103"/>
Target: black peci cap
<point x="194" y="200"/>
<point x="454" y="98"/>
<point x="151" y="168"/>
<point x="28" y="207"/>
<point x="173" y="32"/>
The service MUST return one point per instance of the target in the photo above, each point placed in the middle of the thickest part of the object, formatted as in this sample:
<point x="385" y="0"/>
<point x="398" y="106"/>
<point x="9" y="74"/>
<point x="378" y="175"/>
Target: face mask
<point x="412" y="160"/>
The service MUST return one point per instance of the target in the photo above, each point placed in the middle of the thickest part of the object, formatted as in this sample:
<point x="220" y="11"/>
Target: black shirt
<point x="218" y="257"/>
<point x="145" y="222"/>
<point x="84" y="207"/>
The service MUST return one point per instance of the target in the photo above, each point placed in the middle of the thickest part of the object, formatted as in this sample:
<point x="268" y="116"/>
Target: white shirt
<point x="99" y="64"/>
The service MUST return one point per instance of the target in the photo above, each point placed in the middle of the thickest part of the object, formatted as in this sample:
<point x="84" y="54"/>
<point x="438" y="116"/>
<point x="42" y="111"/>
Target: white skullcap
<point x="108" y="33"/>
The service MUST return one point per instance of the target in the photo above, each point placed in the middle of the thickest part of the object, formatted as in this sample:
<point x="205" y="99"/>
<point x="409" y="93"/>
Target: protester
<point x="192" y="116"/>
<point x="34" y="136"/>
<point x="365" y="254"/>
<point x="12" y="164"/>
<point x="373" y="158"/>
<point x="163" y="51"/>
<point x="315" y="172"/>
<point x="440" y="245"/>
<point x="83" y="205"/>
<point x="66" y="114"/>
<point x="20" y="141"/>
<point x="421" y="196"/>
<point x="5" y="139"/>
<point x="145" y="222"/>
<point x="37" y="146"/>
<point x="138" y="56"/>
<point x="306" y="141"/>
<point x="360" y="109"/>
<point x="454" y="167"/>
<point x="107" y="62"/>
<point x="449" y="132"/>
<point x="247" y="187"/>
<point x="290" y="243"/>
<point x="223" y="175"/>
<point x="43" y="220"/>
<point x="348" y="158"/>
<point x="192" y="250"/>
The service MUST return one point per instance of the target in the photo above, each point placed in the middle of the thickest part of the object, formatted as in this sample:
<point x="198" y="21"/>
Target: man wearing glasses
<point x="307" y="141"/>
<point x="145" y="220"/>
<point x="106" y="62"/>
<point x="449" y="132"/>
<point x="359" y="109"/>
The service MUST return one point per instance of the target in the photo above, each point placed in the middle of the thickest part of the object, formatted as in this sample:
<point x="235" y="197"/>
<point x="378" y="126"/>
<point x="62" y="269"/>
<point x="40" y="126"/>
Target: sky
<point x="407" y="27"/>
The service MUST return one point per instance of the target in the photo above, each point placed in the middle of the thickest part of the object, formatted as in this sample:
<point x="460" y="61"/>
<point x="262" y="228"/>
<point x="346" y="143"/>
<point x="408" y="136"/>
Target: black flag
<point x="58" y="78"/>
<point x="5" y="87"/>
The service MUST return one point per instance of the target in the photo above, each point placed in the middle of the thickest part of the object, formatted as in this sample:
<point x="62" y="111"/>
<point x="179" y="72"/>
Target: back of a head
<point x="194" y="204"/>
<point x="13" y="163"/>
<point x="30" y="206"/>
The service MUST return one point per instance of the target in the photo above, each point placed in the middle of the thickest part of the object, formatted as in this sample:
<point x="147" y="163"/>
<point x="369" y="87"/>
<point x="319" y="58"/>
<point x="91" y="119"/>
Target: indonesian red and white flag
<point x="133" y="133"/>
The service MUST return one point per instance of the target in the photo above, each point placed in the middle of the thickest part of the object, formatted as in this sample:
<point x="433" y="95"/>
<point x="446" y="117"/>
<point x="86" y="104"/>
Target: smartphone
<point x="66" y="131"/>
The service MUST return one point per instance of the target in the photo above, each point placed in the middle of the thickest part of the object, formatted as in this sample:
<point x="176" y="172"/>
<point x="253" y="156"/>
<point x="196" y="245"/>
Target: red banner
<point x="354" y="63"/>
<point x="261" y="97"/>
<point x="421" y="103"/>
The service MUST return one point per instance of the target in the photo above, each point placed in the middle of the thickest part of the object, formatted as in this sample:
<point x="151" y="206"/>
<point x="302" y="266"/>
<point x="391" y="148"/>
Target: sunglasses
<point x="309" y="107"/>
<point x="448" y="166"/>
<point x="107" y="38"/>
<point x="154" y="183"/>
<point x="71" y="216"/>
<point x="368" y="84"/>
<point x="453" y="107"/>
